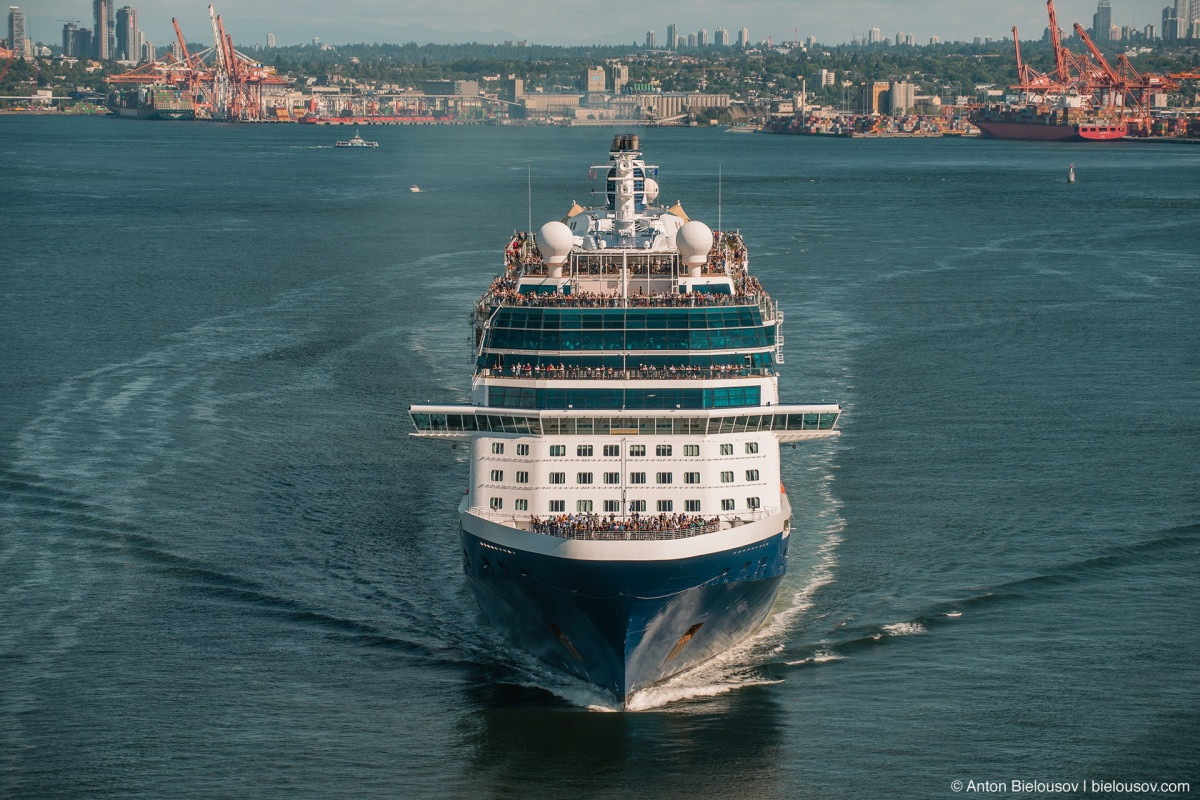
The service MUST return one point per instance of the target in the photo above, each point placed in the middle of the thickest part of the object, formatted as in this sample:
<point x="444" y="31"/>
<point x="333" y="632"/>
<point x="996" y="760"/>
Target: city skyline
<point x="355" y="21"/>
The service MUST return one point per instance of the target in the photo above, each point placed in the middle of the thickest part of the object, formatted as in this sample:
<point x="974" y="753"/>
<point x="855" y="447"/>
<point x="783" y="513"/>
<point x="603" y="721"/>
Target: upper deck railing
<point x="634" y="527"/>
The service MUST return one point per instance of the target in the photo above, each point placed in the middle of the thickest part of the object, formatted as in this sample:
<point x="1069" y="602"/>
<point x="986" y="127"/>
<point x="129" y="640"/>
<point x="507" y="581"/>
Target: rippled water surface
<point x="226" y="571"/>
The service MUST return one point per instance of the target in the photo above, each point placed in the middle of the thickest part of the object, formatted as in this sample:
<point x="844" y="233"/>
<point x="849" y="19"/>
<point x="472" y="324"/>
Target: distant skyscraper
<point x="743" y="38"/>
<point x="127" y="33"/>
<point x="672" y="35"/>
<point x="104" y="35"/>
<point x="702" y="38"/>
<point x="650" y="40"/>
<point x="18" y="33"/>
<point x="692" y="41"/>
<point x="721" y="37"/>
<point x="270" y="40"/>
<point x="1102" y="21"/>
<point x="874" y="36"/>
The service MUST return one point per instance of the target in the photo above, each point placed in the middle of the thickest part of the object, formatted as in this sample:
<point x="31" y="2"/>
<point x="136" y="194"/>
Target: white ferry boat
<point x="624" y="519"/>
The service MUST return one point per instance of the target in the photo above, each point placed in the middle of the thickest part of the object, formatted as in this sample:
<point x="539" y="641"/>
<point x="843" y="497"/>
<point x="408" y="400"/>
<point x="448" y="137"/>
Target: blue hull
<point x="625" y="625"/>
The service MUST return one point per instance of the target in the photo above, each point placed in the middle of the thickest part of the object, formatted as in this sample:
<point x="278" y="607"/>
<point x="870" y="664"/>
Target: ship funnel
<point x="625" y="143"/>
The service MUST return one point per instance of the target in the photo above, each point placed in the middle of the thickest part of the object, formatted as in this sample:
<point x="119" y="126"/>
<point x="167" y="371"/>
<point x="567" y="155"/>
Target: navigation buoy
<point x="1071" y="173"/>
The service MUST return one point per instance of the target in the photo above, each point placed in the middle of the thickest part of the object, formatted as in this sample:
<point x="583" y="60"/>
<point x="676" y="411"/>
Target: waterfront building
<point x="620" y="77"/>
<point x="903" y="97"/>
<point x="1102" y="21"/>
<point x="743" y="40"/>
<point x="595" y="81"/>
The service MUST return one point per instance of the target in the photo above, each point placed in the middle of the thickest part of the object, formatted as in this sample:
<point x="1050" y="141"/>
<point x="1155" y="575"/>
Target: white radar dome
<point x="555" y="241"/>
<point x="651" y="190"/>
<point x="693" y="241"/>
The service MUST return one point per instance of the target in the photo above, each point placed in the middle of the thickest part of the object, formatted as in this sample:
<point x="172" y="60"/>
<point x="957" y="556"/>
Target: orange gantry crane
<point x="221" y="83"/>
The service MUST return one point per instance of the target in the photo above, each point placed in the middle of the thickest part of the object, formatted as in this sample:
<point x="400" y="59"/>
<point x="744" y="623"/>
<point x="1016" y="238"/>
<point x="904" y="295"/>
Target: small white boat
<point x="414" y="188"/>
<point x="356" y="141"/>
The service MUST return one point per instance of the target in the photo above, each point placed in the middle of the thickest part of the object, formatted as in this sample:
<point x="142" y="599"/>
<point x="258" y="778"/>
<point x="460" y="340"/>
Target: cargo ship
<point x="151" y="102"/>
<point x="1040" y="123"/>
<point x="625" y="519"/>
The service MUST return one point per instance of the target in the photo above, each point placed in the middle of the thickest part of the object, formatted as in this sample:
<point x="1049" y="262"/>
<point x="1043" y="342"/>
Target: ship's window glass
<point x="795" y="422"/>
<point x="691" y="449"/>
<point x="583" y="450"/>
<point x="611" y="450"/>
<point x="521" y="505"/>
<point x="662" y="425"/>
<point x="637" y="505"/>
<point x="497" y="476"/>
<point x="421" y="421"/>
<point x="691" y="506"/>
<point x="612" y="478"/>
<point x="666" y="505"/>
<point x="522" y="477"/>
<point x="583" y="426"/>
<point x="727" y="505"/>
<point x="726" y="477"/>
<point x="583" y="477"/>
<point x="811" y="422"/>
<point x="662" y="450"/>
<point x="637" y="450"/>
<point x="637" y="477"/>
<point x="497" y="447"/>
<point x="726" y="425"/>
<point x="751" y="474"/>
<point x="752" y="502"/>
<point x="558" y="449"/>
<point x="646" y="426"/>
<point x="602" y="426"/>
<point x="827" y="421"/>
<point x="612" y="506"/>
<point x="663" y="477"/>
<point x="691" y="477"/>
<point x="497" y="503"/>
<point x="751" y="447"/>
<point x="558" y="506"/>
<point x="583" y="506"/>
<point x="780" y="422"/>
<point x="726" y="449"/>
<point x="522" y="449"/>
<point x="558" y="477"/>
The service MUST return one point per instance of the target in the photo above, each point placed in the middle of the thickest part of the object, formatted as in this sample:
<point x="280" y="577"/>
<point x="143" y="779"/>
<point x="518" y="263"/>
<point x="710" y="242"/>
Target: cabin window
<point x="497" y="503"/>
<point x="497" y="476"/>
<point x="558" y="477"/>
<point x="612" y="450"/>
<point x="497" y="447"/>
<point x="727" y="504"/>
<point x="522" y="449"/>
<point x="751" y="447"/>
<point x="691" y="506"/>
<point x="637" y="477"/>
<point x="612" y="478"/>
<point x="726" y="449"/>
<point x="584" y="451"/>
<point x="751" y="475"/>
<point x="662" y="450"/>
<point x="583" y="477"/>
<point x="691" y="477"/>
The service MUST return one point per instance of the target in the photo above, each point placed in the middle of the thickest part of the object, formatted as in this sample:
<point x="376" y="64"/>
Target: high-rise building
<point x="702" y="38"/>
<point x="77" y="41"/>
<point x="691" y="41"/>
<point x="18" y="33"/>
<point x="721" y="37"/>
<point x="650" y="40"/>
<point x="743" y="38"/>
<point x="1102" y="21"/>
<point x="595" y="79"/>
<point x="874" y="36"/>
<point x="672" y="35"/>
<point x="127" y="34"/>
<point x="270" y="40"/>
<point x="104" y="37"/>
<point x="620" y="77"/>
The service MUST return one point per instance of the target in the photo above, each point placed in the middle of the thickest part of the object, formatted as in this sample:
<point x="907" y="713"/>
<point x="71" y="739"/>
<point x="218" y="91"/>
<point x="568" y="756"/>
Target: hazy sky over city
<point x="577" y="22"/>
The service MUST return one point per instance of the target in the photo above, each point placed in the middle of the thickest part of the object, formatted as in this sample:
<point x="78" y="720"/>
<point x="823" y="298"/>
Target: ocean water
<point x="227" y="571"/>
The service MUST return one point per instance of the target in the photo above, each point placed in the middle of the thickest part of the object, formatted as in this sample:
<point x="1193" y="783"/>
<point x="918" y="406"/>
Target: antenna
<point x="719" y="177"/>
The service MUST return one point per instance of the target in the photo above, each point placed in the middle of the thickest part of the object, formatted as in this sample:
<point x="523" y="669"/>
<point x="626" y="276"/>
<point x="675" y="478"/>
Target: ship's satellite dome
<point x="651" y="190"/>
<point x="693" y="241"/>
<point x="555" y="241"/>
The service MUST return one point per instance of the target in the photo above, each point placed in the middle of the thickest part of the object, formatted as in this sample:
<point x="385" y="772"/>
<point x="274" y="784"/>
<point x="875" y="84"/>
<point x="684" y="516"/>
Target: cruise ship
<point x="625" y="519"/>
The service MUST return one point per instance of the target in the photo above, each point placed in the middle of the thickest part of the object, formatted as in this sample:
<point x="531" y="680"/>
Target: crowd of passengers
<point x="503" y="291"/>
<point x="564" y="525"/>
<point x="642" y="371"/>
